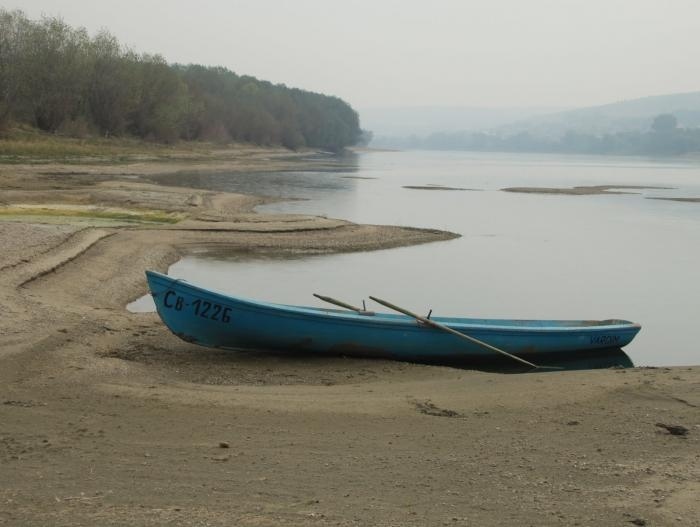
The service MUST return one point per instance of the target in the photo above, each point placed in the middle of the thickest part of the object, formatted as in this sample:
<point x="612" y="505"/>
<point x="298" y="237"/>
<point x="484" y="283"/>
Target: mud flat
<point x="108" y="419"/>
<point x="682" y="200"/>
<point x="434" y="187"/>
<point x="582" y="190"/>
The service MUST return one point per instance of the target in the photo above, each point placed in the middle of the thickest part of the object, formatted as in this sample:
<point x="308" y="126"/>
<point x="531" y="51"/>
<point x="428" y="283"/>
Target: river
<point x="616" y="255"/>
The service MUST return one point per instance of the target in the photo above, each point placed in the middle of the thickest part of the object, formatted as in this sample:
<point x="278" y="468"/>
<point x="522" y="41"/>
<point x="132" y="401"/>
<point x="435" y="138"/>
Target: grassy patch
<point x="67" y="213"/>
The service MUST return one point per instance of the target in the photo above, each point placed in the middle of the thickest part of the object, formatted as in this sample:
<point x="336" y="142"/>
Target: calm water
<point x="520" y="255"/>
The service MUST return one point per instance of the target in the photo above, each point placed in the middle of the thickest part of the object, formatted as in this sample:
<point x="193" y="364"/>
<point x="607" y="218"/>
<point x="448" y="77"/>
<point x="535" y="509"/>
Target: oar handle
<point x="397" y="308"/>
<point x="454" y="332"/>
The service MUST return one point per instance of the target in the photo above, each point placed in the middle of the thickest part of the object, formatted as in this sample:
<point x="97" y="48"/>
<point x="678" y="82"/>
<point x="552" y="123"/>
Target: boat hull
<point x="216" y="320"/>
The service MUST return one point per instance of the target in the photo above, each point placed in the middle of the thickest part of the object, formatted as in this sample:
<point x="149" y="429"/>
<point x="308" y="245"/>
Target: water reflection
<point x="307" y="182"/>
<point x="588" y="360"/>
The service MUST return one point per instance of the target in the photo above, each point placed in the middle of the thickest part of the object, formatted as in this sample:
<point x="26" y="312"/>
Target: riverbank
<point x="109" y="419"/>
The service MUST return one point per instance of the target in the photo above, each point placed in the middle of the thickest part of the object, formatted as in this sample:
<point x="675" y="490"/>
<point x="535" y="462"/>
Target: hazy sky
<point x="411" y="53"/>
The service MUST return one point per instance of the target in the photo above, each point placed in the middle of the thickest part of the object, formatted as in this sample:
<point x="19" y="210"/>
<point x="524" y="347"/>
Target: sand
<point x="108" y="419"/>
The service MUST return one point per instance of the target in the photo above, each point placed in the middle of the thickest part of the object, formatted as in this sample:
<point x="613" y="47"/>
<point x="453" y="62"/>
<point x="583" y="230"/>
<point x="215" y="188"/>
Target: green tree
<point x="56" y="79"/>
<point x="14" y="29"/>
<point x="59" y="78"/>
<point x="665" y="122"/>
<point x="114" y="85"/>
<point x="162" y="101"/>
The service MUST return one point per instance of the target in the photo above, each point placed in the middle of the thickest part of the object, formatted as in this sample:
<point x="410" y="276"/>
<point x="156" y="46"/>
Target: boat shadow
<point x="217" y="366"/>
<point x="550" y="362"/>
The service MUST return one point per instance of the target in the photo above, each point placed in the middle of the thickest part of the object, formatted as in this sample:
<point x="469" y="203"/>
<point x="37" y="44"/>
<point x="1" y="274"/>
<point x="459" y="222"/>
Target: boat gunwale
<point x="391" y="320"/>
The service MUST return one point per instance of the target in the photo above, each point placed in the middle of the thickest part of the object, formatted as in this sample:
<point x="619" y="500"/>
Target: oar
<point x="340" y="303"/>
<point x="456" y="333"/>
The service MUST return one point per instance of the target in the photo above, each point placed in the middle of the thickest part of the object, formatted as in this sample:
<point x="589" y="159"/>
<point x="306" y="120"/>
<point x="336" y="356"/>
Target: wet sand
<point x="108" y="419"/>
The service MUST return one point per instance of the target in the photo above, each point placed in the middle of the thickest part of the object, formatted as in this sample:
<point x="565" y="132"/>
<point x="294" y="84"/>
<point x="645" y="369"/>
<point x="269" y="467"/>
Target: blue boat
<point x="217" y="320"/>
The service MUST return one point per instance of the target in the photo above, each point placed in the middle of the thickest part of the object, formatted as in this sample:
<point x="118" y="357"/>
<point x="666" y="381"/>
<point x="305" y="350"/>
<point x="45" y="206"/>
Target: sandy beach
<point x="108" y="419"/>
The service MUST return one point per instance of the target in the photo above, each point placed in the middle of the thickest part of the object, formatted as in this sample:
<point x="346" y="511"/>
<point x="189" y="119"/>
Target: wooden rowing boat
<point x="217" y="320"/>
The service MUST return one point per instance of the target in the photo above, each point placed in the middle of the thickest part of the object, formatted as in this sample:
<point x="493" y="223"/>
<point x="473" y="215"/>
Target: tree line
<point x="60" y="79"/>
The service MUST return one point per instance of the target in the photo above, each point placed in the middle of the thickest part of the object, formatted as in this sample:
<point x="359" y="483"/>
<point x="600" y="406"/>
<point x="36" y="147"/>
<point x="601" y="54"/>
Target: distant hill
<point x="621" y="128"/>
<point x="425" y="120"/>
<point x="635" y="115"/>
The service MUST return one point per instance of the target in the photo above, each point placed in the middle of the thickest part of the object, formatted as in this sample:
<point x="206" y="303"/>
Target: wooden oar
<point x="340" y="303"/>
<point x="437" y="325"/>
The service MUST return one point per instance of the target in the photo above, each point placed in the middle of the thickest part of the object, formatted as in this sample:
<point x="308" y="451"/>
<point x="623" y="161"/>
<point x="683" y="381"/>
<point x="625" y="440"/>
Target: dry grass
<point x="26" y="145"/>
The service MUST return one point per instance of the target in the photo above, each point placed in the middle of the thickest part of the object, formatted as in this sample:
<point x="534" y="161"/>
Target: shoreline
<point x="99" y="211"/>
<point x="109" y="419"/>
